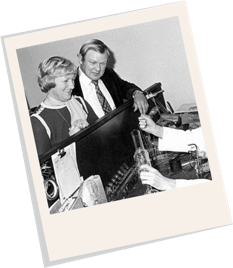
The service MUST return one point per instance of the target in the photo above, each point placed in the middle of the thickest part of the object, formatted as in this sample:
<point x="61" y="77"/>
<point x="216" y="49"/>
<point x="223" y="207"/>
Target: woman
<point x="60" y="115"/>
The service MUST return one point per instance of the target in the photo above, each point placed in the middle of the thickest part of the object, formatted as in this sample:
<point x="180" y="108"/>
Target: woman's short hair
<point x="51" y="68"/>
<point x="94" y="44"/>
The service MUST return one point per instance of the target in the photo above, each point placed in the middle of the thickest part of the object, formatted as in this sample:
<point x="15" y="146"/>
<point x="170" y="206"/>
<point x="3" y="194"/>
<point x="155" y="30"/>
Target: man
<point x="170" y="140"/>
<point x="101" y="87"/>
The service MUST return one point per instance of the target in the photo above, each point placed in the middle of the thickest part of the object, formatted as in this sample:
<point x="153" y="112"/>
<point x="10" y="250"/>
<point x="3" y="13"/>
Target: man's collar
<point x="82" y="77"/>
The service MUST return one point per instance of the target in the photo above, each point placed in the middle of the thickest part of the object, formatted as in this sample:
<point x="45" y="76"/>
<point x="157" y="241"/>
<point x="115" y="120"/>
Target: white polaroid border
<point x="83" y="233"/>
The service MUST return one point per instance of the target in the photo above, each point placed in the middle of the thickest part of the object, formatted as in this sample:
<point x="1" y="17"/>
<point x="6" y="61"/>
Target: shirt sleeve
<point x="183" y="183"/>
<point x="179" y="141"/>
<point x="41" y="137"/>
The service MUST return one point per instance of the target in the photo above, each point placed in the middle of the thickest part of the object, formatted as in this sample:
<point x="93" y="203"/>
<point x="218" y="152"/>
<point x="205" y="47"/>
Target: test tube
<point x="137" y="139"/>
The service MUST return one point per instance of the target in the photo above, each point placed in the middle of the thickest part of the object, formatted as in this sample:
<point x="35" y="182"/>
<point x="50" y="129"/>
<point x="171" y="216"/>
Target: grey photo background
<point x="143" y="54"/>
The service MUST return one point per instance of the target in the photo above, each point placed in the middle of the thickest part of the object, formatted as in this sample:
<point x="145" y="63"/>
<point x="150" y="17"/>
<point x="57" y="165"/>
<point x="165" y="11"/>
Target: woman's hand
<point x="77" y="126"/>
<point x="74" y="130"/>
<point x="153" y="177"/>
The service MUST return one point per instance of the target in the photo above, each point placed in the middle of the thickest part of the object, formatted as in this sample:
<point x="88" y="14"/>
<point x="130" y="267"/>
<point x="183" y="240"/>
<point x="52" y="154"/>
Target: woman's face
<point x="63" y="89"/>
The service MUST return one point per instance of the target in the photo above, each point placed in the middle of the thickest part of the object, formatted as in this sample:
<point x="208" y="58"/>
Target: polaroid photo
<point x="113" y="122"/>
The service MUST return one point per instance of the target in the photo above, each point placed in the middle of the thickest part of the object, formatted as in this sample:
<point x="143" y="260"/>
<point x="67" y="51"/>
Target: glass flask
<point x="141" y="155"/>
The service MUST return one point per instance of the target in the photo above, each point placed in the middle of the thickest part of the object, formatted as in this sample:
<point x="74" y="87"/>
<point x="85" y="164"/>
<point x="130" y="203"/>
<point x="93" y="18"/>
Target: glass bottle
<point x="141" y="155"/>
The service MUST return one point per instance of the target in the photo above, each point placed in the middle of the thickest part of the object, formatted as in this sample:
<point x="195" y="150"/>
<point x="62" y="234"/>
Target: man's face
<point x="64" y="87"/>
<point x="94" y="64"/>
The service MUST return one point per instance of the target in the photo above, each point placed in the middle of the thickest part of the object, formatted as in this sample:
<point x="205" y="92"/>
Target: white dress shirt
<point x="178" y="141"/>
<point x="89" y="93"/>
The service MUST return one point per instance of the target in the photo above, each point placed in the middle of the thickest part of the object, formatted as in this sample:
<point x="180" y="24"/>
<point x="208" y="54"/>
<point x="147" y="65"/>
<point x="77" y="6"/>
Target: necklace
<point x="64" y="118"/>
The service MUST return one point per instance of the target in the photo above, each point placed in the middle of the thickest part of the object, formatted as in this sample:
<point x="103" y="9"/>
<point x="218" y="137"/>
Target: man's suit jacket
<point x="118" y="88"/>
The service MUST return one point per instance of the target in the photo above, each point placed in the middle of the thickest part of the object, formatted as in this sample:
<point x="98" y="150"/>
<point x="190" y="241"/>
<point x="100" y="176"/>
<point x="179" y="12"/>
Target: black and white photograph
<point x="101" y="138"/>
<point x="114" y="125"/>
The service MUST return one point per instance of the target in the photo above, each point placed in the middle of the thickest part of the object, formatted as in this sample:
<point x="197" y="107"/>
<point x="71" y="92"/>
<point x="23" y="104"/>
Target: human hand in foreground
<point x="140" y="103"/>
<point x="148" y="125"/>
<point x="153" y="177"/>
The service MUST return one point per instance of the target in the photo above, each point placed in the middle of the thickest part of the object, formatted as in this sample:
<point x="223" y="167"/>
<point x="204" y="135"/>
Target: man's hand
<point x="140" y="103"/>
<point x="148" y="125"/>
<point x="153" y="177"/>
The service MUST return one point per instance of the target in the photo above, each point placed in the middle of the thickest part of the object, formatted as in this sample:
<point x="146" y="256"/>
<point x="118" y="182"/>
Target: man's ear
<point x="80" y="59"/>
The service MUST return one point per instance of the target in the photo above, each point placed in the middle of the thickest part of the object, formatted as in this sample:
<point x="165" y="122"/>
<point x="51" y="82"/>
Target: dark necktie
<point x="103" y="102"/>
